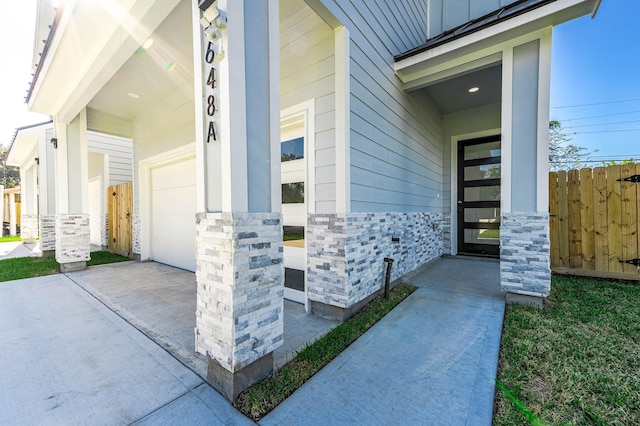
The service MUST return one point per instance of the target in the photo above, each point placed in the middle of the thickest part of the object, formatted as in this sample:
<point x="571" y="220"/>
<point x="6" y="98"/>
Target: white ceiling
<point x="453" y="94"/>
<point x="149" y="74"/>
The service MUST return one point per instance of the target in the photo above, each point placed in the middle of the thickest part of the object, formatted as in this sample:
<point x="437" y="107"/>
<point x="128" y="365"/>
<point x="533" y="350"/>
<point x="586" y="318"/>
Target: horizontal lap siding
<point x="307" y="71"/>
<point x="119" y="152"/>
<point x="396" y="152"/>
<point x="447" y="14"/>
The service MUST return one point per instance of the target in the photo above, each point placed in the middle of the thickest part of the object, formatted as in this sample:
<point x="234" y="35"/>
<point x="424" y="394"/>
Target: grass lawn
<point x="576" y="362"/>
<point x="261" y="398"/>
<point x="29" y="267"/>
<point x="10" y="239"/>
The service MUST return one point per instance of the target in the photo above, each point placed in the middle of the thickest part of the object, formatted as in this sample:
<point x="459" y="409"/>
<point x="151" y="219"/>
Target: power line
<point x="603" y="124"/>
<point x="596" y="103"/>
<point x="605" y="131"/>
<point x="598" y="116"/>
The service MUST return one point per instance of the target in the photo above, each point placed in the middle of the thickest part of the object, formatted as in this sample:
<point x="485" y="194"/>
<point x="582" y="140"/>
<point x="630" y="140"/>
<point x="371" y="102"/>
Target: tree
<point x="9" y="176"/>
<point x="562" y="154"/>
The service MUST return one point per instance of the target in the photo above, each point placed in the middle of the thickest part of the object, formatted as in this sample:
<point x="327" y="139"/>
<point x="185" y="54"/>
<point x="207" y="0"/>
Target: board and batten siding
<point x="395" y="138"/>
<point x="120" y="154"/>
<point x="447" y="14"/>
<point x="307" y="71"/>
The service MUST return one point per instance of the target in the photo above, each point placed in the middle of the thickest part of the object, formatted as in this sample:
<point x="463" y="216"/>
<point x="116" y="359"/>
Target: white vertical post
<point x="343" y="126"/>
<point x="507" y="121"/>
<point x="544" y="99"/>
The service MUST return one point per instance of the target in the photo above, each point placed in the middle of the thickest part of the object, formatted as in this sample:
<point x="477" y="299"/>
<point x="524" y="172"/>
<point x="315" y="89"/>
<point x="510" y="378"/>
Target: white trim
<point x="101" y="217"/>
<point x="542" y="17"/>
<point x="454" y="179"/>
<point x="201" y="184"/>
<point x="544" y="100"/>
<point x="343" y="125"/>
<point x="145" y="166"/>
<point x="61" y="167"/>
<point x="274" y="104"/>
<point x="507" y="130"/>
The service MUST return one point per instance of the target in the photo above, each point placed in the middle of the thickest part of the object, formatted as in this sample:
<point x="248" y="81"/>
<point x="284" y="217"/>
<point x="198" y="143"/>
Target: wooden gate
<point x="594" y="216"/>
<point x="120" y="215"/>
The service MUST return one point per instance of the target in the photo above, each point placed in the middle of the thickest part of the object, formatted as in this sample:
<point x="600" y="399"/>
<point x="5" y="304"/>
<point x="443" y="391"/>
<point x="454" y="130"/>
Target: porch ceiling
<point x="453" y="94"/>
<point x="150" y="76"/>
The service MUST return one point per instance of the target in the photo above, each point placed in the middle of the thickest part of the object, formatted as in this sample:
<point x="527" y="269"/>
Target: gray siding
<point x="307" y="71"/>
<point x="396" y="152"/>
<point x="447" y="14"/>
<point x="120" y="152"/>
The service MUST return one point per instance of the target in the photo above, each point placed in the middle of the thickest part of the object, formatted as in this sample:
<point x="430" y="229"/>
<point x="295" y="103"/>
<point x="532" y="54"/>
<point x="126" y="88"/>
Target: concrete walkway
<point x="19" y="249"/>
<point x="431" y="361"/>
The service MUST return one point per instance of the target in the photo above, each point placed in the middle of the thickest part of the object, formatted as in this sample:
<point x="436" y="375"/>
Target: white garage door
<point x="173" y="211"/>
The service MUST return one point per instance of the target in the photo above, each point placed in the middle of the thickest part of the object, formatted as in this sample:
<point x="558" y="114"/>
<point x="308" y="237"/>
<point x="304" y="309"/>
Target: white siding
<point x="120" y="155"/>
<point x="396" y="153"/>
<point x="447" y="14"/>
<point x="307" y="71"/>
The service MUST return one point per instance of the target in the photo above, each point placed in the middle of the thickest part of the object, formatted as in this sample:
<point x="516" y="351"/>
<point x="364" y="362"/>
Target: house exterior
<point x="108" y="159"/>
<point x="285" y="148"/>
<point x="10" y="211"/>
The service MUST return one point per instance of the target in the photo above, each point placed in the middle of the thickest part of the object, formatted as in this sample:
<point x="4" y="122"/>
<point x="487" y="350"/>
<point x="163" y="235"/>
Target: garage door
<point x="173" y="210"/>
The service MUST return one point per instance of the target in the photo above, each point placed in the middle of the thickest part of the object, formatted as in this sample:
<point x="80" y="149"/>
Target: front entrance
<point x="479" y="196"/>
<point x="294" y="205"/>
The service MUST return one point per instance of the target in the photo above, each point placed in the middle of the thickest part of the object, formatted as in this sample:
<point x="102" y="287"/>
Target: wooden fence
<point x="594" y="217"/>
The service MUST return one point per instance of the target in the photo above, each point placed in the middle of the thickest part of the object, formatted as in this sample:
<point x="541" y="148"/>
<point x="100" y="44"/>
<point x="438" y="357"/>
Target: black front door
<point x="479" y="196"/>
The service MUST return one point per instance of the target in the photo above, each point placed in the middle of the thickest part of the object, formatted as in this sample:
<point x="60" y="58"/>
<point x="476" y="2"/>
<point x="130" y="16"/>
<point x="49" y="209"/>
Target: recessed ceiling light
<point x="474" y="89"/>
<point x="147" y="44"/>
<point x="133" y="95"/>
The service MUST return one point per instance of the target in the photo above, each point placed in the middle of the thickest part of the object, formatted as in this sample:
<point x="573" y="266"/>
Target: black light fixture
<point x="37" y="160"/>
<point x="204" y="4"/>
<point x="54" y="141"/>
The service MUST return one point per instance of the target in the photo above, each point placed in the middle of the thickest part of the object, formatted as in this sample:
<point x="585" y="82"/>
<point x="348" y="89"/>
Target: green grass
<point x="10" y="239"/>
<point x="29" y="267"/>
<point x="576" y="362"/>
<point x="260" y="399"/>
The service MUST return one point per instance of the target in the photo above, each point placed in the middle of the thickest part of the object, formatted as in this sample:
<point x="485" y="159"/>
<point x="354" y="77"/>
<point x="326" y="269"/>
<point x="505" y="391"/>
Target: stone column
<point x="239" y="229"/>
<point x="525" y="272"/>
<point x="72" y="219"/>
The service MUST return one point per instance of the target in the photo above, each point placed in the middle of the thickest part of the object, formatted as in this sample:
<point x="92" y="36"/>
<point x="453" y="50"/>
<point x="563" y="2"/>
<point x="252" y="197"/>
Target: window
<point x="292" y="149"/>
<point x="293" y="193"/>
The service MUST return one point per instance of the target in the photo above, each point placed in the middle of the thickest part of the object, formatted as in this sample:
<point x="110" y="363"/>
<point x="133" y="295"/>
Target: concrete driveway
<point x="19" y="249"/>
<point x="66" y="359"/>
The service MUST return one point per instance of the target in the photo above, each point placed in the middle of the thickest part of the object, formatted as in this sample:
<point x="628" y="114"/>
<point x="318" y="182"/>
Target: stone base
<point x="48" y="253"/>
<point x="331" y="312"/>
<point x="231" y="384"/>
<point x="29" y="240"/>
<point x="72" y="266"/>
<point x="523" y="299"/>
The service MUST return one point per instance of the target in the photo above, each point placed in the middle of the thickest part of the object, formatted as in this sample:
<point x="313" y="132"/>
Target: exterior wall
<point x="119" y="152"/>
<point x="240" y="279"/>
<point x="47" y="233"/>
<point x="170" y="126"/>
<point x="447" y="14"/>
<point x="395" y="148"/>
<point x="468" y="121"/>
<point x="346" y="252"/>
<point x="307" y="71"/>
<point x="524" y="254"/>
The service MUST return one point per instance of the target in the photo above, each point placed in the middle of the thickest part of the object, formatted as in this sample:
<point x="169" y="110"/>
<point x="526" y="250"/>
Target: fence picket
<point x="629" y="217"/>
<point x="614" y="218"/>
<point x="563" y="219"/>
<point x="586" y="220"/>
<point x="601" y="239"/>
<point x="575" y="228"/>
<point x="553" y="219"/>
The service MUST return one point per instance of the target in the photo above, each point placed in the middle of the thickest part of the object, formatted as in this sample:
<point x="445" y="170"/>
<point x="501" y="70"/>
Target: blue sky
<point x="597" y="61"/>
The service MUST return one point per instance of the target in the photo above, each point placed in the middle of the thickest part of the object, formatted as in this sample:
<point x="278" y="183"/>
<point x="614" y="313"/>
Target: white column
<point x="13" y="218"/>
<point x="1" y="211"/>
<point x="239" y="233"/>
<point x="72" y="219"/>
<point x="47" y="190"/>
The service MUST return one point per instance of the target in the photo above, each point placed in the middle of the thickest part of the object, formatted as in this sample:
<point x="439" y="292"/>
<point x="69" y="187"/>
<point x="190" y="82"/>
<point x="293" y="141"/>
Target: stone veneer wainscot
<point x="524" y="254"/>
<point x="346" y="252"/>
<point x="29" y="227"/>
<point x="47" y="233"/>
<point x="72" y="238"/>
<point x="240" y="278"/>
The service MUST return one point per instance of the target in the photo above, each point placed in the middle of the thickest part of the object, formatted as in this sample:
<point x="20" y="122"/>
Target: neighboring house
<point x="352" y="130"/>
<point x="10" y="211"/>
<point x="108" y="160"/>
